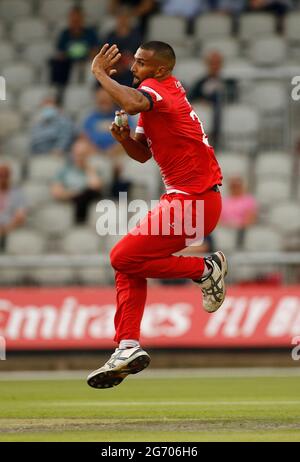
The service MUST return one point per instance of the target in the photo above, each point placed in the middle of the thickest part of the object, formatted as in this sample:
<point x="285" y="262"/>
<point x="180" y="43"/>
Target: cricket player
<point x="169" y="131"/>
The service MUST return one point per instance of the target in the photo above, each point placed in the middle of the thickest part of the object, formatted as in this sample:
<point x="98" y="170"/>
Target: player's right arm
<point x="136" y="147"/>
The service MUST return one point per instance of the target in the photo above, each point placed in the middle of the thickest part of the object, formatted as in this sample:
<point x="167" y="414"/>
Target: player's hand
<point x="105" y="60"/>
<point x="120" y="133"/>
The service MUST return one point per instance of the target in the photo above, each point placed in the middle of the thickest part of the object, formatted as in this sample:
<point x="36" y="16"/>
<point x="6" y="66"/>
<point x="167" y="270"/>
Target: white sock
<point x="128" y="344"/>
<point x="207" y="270"/>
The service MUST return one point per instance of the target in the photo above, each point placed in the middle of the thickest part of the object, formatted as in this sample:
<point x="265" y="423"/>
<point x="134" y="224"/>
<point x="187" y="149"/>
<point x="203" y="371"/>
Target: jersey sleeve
<point x="140" y="125"/>
<point x="156" y="95"/>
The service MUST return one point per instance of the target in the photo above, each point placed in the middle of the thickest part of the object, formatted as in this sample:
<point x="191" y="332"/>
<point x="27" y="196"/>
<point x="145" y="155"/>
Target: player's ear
<point x="161" y="71"/>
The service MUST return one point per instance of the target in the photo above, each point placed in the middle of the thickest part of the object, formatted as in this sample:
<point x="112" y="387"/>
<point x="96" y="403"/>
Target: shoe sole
<point x="109" y="379"/>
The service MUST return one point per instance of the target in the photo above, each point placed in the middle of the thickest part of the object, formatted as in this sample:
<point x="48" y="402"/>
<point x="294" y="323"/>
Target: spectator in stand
<point x="96" y="128"/>
<point x="125" y="35"/>
<point x="78" y="182"/>
<point x="140" y="9"/>
<point x="232" y="7"/>
<point x="128" y="39"/>
<point x="239" y="210"/>
<point x="188" y="9"/>
<point x="277" y="7"/>
<point x="52" y="132"/>
<point x="215" y="90"/>
<point x="12" y="205"/>
<point x="76" y="44"/>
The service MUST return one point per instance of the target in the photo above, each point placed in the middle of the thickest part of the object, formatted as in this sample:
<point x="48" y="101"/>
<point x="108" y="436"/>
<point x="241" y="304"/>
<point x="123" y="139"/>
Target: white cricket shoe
<point x="120" y="364"/>
<point x="213" y="286"/>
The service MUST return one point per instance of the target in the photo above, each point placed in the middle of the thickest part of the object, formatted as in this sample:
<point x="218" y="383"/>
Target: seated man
<point x="77" y="43"/>
<point x="216" y="90"/>
<point x="12" y="205"/>
<point x="78" y="182"/>
<point x="52" y="132"/>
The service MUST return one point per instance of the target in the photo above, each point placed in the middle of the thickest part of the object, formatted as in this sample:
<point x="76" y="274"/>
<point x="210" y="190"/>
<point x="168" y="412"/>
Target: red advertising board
<point x="74" y="318"/>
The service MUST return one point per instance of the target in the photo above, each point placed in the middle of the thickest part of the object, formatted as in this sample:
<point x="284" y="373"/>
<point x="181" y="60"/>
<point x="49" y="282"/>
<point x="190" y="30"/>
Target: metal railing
<point x="287" y="264"/>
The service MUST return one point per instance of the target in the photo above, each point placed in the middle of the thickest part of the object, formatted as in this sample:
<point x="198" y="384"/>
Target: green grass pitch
<point x="153" y="408"/>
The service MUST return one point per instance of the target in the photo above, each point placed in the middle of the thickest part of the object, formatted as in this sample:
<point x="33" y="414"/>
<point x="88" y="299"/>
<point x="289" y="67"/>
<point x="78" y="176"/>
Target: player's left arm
<point x="131" y="100"/>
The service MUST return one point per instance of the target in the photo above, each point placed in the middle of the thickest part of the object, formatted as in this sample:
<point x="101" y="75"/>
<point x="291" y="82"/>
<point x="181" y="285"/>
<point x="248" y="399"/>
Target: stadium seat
<point x="286" y="217"/>
<point x="2" y="30"/>
<point x="270" y="191"/>
<point x="25" y="242"/>
<point x="36" y="194"/>
<point x="240" y="128"/>
<point x="254" y="25"/>
<point x="95" y="11"/>
<point x="205" y="114"/>
<point x="32" y="97"/>
<point x="262" y="239"/>
<point x="81" y="240"/>
<point x="269" y="97"/>
<point x="10" y="10"/>
<point x="212" y="25"/>
<point x="189" y="71"/>
<point x="107" y="25"/>
<point x="168" y="29"/>
<point x="233" y="164"/>
<point x="51" y="10"/>
<point x="146" y="174"/>
<point x="274" y="164"/>
<point x="95" y="276"/>
<point x="291" y="27"/>
<point x="27" y="30"/>
<point x="269" y="51"/>
<point x="19" y="75"/>
<point x="18" y="145"/>
<point x="111" y="241"/>
<point x="76" y="98"/>
<point x="104" y="167"/>
<point x="7" y="53"/>
<point x="44" y="168"/>
<point x="38" y="53"/>
<point x="57" y="27"/>
<point x="54" y="219"/>
<point x="56" y="276"/>
<point x="225" y="239"/>
<point x="239" y="69"/>
<point x="227" y="47"/>
<point x="10" y="122"/>
<point x="11" y="276"/>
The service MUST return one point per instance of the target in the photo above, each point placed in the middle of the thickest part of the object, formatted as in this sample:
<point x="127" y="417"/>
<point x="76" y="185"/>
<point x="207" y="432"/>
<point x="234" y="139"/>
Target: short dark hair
<point x="163" y="50"/>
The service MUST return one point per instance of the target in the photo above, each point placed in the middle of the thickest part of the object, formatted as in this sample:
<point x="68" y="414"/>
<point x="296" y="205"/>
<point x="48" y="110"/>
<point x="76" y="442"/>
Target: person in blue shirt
<point x="96" y="129"/>
<point x="96" y="126"/>
<point x="52" y="132"/>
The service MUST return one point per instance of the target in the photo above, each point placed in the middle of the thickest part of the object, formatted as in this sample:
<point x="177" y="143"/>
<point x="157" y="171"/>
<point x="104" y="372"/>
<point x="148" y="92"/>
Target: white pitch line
<point x="167" y="403"/>
<point x="159" y="373"/>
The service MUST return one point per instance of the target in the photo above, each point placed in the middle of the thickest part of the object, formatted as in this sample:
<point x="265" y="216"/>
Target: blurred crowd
<point x="54" y="133"/>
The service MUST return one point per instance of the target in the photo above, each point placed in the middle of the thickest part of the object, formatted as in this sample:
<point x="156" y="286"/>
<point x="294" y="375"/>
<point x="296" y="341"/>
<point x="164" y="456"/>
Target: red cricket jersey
<point x="176" y="138"/>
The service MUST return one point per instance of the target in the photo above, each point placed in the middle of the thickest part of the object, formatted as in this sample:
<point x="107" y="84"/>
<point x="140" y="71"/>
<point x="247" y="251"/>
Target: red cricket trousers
<point x="143" y="254"/>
